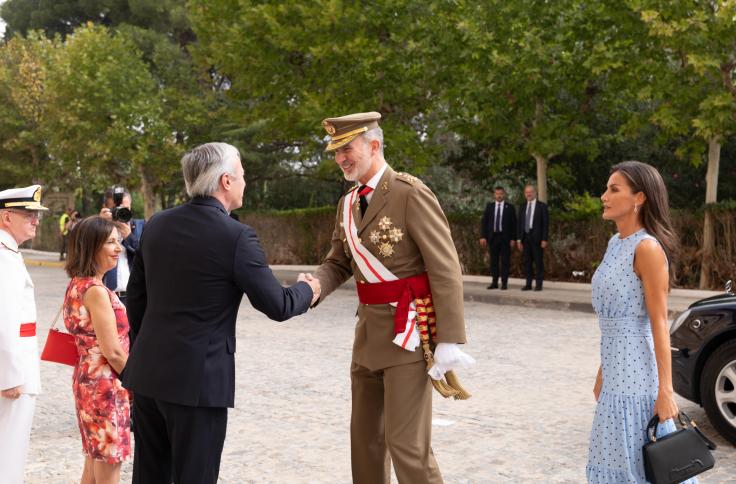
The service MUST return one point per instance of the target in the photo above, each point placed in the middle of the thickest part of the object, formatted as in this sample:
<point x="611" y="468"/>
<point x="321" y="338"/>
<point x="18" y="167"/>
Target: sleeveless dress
<point x="103" y="405"/>
<point x="630" y="381"/>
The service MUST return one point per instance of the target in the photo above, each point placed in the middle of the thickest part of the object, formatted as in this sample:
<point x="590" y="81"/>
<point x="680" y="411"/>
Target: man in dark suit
<point x="192" y="268"/>
<point x="116" y="279"/>
<point x="532" y="237"/>
<point x="498" y="233"/>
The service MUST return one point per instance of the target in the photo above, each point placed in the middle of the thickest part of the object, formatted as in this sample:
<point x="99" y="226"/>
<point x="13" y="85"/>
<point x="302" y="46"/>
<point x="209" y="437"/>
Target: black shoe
<point x="538" y="288"/>
<point x="492" y="286"/>
<point x="526" y="288"/>
<point x="504" y="287"/>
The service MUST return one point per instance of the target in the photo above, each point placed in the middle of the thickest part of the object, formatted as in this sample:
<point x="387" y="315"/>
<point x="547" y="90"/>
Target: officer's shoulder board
<point x="407" y="178"/>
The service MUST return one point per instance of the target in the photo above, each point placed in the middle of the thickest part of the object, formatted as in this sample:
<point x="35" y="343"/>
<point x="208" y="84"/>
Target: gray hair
<point x="375" y="133"/>
<point x="204" y="166"/>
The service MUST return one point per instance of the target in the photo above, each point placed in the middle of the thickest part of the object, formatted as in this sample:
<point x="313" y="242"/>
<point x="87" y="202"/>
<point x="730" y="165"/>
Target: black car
<point x="703" y="341"/>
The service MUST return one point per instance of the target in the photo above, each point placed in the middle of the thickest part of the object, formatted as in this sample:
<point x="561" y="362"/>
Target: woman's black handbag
<point x="677" y="456"/>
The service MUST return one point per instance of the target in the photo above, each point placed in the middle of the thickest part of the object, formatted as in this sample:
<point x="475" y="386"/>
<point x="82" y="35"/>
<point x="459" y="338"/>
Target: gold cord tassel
<point x="454" y="383"/>
<point x="422" y="324"/>
<point x="426" y="323"/>
<point x="452" y="380"/>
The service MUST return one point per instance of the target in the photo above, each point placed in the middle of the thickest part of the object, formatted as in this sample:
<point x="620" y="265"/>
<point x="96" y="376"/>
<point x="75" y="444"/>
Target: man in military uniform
<point x="20" y="380"/>
<point x="392" y="236"/>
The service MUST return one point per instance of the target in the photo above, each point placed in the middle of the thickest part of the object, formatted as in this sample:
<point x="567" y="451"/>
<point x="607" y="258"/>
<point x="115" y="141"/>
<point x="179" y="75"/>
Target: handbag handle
<point x="56" y="318"/>
<point x="685" y="421"/>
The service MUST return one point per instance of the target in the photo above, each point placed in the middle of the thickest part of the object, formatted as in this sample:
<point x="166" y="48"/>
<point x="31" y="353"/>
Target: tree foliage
<point x="63" y="16"/>
<point x="23" y="72"/>
<point x="119" y="104"/>
<point x="294" y="63"/>
<point x="480" y="92"/>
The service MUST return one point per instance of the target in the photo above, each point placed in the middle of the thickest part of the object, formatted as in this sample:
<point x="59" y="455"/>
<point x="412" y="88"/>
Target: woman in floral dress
<point x="95" y="317"/>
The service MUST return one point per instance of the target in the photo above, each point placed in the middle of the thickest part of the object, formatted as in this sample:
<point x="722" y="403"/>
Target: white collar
<point x="8" y="241"/>
<point x="532" y="201"/>
<point x="499" y="203"/>
<point x="373" y="182"/>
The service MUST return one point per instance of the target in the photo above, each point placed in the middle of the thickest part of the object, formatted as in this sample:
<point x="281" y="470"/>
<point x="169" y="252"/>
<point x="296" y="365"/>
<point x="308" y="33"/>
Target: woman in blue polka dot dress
<point x="630" y="290"/>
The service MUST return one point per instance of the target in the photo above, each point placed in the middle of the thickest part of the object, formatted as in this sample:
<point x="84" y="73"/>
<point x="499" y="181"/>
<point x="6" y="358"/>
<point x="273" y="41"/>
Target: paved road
<point x="565" y="296"/>
<point x="528" y="420"/>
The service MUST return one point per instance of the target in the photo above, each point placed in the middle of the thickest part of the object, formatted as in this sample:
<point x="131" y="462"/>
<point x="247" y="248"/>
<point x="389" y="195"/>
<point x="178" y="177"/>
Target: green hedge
<point x="577" y="240"/>
<point x="578" y="244"/>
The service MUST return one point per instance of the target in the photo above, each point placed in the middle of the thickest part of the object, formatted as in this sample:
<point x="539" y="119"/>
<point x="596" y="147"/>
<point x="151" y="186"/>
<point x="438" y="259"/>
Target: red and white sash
<point x="374" y="271"/>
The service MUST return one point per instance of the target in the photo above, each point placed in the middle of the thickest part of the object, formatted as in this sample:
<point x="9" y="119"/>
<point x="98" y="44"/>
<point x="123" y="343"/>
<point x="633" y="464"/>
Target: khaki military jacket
<point x="402" y="202"/>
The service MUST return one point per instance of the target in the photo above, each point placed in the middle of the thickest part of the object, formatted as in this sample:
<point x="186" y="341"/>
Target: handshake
<point x="313" y="283"/>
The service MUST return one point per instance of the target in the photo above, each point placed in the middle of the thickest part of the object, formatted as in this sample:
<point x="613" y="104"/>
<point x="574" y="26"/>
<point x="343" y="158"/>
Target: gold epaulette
<point x="405" y="177"/>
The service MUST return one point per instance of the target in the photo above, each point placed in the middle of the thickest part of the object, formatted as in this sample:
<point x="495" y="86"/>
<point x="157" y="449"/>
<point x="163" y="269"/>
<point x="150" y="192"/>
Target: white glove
<point x="447" y="356"/>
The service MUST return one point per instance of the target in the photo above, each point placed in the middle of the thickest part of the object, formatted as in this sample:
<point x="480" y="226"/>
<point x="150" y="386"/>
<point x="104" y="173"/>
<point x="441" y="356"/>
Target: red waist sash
<point x="401" y="291"/>
<point x="27" y="330"/>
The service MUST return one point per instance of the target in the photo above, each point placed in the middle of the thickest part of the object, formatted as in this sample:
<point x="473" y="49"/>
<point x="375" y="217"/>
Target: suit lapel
<point x="378" y="200"/>
<point x="522" y="214"/>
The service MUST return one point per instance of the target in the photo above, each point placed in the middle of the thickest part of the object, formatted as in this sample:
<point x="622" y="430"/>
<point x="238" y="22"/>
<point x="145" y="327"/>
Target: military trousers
<point x="16" y="417"/>
<point x="391" y="421"/>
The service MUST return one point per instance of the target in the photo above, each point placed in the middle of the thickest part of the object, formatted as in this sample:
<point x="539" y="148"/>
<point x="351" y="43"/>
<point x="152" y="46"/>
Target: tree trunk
<point x="542" y="161"/>
<point x="711" y="196"/>
<point x="149" y="198"/>
<point x="541" y="176"/>
<point x="36" y="162"/>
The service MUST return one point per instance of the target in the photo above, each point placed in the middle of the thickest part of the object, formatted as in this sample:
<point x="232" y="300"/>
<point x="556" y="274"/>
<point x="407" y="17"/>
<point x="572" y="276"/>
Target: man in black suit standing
<point x="533" y="235"/>
<point x="193" y="265"/>
<point x="498" y="233"/>
<point x="116" y="279"/>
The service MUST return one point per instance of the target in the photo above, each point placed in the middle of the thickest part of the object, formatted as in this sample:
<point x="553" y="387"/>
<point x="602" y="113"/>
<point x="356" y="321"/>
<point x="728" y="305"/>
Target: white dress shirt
<point x="373" y="182"/>
<point x="530" y="206"/>
<point x="498" y="211"/>
<point x="123" y="271"/>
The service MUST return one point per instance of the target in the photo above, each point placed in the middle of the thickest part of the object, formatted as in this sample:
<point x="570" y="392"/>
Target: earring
<point x="636" y="208"/>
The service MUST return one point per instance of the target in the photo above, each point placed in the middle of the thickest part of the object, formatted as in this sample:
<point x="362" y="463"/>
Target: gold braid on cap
<point x="426" y="323"/>
<point x="349" y="133"/>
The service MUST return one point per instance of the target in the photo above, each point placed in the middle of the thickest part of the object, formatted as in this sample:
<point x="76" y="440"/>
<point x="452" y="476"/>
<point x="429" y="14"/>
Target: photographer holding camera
<point x="117" y="208"/>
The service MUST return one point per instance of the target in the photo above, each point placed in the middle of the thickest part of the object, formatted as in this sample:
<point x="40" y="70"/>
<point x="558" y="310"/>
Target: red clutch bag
<point x="60" y="346"/>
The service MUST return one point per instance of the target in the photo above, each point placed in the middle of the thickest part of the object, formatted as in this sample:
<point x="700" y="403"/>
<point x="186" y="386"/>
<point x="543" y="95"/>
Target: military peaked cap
<point x="28" y="198"/>
<point x="345" y="129"/>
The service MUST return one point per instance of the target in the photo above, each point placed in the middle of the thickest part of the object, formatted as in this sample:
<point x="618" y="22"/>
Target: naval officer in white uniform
<point x="20" y="380"/>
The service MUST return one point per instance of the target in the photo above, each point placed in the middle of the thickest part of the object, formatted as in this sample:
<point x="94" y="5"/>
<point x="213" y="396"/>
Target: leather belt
<point x="122" y="293"/>
<point x="27" y="330"/>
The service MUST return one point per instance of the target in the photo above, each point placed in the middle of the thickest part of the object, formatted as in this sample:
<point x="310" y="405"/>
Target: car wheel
<point x="718" y="390"/>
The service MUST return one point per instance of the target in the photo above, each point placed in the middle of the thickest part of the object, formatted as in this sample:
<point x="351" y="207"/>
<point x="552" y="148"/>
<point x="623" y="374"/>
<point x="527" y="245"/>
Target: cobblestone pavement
<point x="528" y="420"/>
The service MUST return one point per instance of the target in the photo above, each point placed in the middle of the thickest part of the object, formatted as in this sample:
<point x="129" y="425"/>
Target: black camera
<point x="120" y="214"/>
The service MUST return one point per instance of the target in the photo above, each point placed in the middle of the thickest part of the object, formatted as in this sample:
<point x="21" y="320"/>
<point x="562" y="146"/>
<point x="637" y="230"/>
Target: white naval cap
<point x="28" y="198"/>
